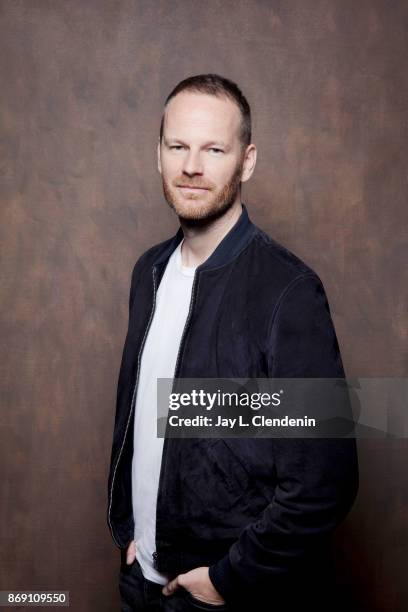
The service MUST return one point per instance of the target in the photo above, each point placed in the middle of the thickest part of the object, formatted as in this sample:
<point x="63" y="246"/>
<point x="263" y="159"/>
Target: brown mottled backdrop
<point x="82" y="87"/>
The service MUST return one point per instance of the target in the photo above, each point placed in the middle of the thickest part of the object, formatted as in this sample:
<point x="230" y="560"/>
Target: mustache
<point x="181" y="182"/>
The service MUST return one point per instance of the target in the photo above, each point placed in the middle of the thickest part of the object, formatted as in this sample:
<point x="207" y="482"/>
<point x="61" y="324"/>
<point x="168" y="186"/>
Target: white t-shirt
<point x="158" y="361"/>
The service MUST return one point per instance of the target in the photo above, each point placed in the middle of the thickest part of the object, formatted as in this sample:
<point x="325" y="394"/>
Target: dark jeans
<point x="137" y="593"/>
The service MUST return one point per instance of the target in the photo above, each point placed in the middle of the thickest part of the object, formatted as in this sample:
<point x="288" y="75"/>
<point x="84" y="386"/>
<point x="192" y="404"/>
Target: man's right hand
<point x="131" y="553"/>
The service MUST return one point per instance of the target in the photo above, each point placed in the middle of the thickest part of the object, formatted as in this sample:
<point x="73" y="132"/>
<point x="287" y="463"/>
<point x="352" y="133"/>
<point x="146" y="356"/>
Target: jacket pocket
<point x="239" y="477"/>
<point x="228" y="468"/>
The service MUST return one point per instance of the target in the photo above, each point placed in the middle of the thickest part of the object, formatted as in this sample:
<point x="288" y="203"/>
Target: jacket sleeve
<point x="316" y="478"/>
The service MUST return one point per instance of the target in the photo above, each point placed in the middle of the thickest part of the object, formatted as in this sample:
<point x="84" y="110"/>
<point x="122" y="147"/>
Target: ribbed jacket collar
<point x="230" y="246"/>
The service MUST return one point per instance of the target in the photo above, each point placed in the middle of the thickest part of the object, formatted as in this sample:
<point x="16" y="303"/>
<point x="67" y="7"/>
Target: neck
<point x="200" y="242"/>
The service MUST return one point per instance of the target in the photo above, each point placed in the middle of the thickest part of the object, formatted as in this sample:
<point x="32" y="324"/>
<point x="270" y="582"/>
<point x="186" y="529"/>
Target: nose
<point x="192" y="163"/>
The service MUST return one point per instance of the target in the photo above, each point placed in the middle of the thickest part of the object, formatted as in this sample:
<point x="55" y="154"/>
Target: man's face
<point x="201" y="156"/>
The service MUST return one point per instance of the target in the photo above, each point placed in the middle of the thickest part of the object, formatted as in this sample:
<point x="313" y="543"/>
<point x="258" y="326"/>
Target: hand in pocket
<point x="131" y="553"/>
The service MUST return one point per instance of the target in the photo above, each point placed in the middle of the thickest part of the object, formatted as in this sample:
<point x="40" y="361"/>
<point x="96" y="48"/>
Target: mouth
<point x="192" y="188"/>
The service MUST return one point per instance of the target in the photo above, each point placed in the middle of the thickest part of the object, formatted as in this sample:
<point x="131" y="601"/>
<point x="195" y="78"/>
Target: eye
<point x="176" y="147"/>
<point x="216" y="150"/>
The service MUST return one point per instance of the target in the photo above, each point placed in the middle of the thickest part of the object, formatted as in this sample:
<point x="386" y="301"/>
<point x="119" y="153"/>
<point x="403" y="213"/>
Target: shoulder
<point x="276" y="263"/>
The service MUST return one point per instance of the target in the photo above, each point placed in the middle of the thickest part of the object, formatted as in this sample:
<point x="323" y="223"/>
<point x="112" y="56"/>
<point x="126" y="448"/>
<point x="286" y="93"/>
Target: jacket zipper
<point x="185" y="326"/>
<point x="132" y="404"/>
<point x="165" y="443"/>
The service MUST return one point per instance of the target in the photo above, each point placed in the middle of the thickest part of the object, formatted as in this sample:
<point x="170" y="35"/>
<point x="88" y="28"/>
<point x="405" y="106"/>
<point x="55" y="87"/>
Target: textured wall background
<point x="82" y="88"/>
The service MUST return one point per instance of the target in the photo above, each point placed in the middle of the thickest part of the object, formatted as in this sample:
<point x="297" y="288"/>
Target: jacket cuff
<point x="224" y="579"/>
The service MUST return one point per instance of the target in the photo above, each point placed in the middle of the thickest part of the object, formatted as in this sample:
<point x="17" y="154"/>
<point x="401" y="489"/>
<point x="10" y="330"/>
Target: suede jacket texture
<point x="258" y="512"/>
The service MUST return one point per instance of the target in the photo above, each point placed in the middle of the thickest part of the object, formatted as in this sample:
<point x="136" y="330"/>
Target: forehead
<point x="195" y="115"/>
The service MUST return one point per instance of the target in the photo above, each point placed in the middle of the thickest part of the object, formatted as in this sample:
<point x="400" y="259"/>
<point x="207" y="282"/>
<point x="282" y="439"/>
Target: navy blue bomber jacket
<point x="258" y="512"/>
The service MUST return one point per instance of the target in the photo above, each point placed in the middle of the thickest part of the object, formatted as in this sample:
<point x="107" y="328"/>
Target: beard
<point x="195" y="211"/>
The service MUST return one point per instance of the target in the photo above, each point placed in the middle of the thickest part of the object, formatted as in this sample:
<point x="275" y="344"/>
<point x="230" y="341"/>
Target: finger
<point x="131" y="553"/>
<point x="171" y="586"/>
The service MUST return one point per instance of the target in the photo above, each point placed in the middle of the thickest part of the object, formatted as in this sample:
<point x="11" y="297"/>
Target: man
<point x="237" y="524"/>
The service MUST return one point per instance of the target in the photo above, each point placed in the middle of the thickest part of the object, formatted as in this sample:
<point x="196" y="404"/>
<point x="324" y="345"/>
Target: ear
<point x="159" y="157"/>
<point x="249" y="162"/>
